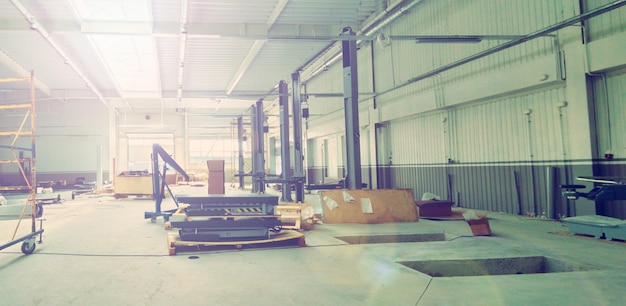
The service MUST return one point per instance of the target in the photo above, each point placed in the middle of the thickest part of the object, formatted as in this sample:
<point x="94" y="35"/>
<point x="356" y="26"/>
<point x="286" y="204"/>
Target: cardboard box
<point x="216" y="183"/>
<point x="215" y="165"/>
<point x="434" y="208"/>
<point x="133" y="185"/>
<point x="480" y="227"/>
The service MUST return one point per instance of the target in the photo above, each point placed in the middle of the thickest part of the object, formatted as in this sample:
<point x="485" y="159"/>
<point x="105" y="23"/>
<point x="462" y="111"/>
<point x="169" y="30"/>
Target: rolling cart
<point x="27" y="169"/>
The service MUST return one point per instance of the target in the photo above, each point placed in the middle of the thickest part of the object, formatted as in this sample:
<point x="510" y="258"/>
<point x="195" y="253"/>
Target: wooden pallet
<point x="290" y="215"/>
<point x="297" y="238"/>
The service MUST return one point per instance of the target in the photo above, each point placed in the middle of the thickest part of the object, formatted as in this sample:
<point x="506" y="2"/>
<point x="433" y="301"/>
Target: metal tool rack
<point x="27" y="127"/>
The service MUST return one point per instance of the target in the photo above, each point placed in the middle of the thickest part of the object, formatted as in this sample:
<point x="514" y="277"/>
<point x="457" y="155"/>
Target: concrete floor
<point x="101" y="251"/>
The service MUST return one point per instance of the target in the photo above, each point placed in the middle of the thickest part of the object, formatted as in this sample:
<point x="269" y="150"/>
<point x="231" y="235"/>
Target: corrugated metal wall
<point x="610" y="107"/>
<point x="482" y="154"/>
<point x="605" y="25"/>
<point x="402" y="60"/>
<point x="507" y="152"/>
<point x="610" y="97"/>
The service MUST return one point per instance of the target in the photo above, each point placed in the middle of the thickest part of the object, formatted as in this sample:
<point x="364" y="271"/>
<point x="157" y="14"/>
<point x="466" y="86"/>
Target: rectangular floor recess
<point x="493" y="266"/>
<point x="393" y="238"/>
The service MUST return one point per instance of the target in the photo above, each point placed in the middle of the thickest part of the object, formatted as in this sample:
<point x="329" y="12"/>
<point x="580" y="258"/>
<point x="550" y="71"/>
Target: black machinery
<point x="228" y="217"/>
<point x="159" y="184"/>
<point x="605" y="189"/>
<point x="217" y="217"/>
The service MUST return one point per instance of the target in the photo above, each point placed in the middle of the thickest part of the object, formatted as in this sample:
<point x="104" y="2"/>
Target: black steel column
<point x="285" y="155"/>
<point x="351" y="110"/>
<point x="240" y="159"/>
<point x="259" y="167"/>
<point x="253" y="144"/>
<point x="298" y="155"/>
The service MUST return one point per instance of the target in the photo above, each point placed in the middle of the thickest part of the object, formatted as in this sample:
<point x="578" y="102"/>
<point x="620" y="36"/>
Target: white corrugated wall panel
<point x="364" y="67"/>
<point x="502" y="131"/>
<point x="417" y="140"/>
<point x="611" y="125"/>
<point x="487" y="132"/>
<point x="606" y="24"/>
<point x="326" y="82"/>
<point x="403" y="60"/>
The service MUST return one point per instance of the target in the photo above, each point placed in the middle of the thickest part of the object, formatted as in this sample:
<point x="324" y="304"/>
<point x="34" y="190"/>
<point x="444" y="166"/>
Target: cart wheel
<point x="28" y="247"/>
<point x="153" y="219"/>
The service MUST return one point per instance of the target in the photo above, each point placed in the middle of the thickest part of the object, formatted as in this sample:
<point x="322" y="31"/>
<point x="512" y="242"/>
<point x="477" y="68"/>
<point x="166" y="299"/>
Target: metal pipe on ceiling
<point x="35" y="25"/>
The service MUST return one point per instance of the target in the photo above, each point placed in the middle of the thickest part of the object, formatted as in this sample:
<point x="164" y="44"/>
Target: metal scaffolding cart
<point x="26" y="166"/>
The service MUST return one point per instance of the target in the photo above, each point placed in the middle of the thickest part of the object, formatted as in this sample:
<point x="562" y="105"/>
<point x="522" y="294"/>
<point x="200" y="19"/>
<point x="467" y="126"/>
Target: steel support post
<point x="258" y="172"/>
<point x="240" y="155"/>
<point x="298" y="155"/>
<point x="351" y="110"/>
<point x="285" y="154"/>
<point x="254" y="141"/>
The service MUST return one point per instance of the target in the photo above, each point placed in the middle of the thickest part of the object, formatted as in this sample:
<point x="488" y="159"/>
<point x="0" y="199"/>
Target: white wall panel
<point x="610" y="109"/>
<point x="486" y="17"/>
<point x="417" y="140"/>
<point x="498" y="130"/>
<point x="502" y="131"/>
<point x="606" y="24"/>
<point x="606" y="53"/>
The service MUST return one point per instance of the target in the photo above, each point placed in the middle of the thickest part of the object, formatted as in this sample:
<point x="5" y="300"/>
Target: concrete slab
<point x="101" y="251"/>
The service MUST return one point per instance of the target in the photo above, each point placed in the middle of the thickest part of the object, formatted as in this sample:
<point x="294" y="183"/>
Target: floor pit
<point x="393" y="238"/>
<point x="493" y="266"/>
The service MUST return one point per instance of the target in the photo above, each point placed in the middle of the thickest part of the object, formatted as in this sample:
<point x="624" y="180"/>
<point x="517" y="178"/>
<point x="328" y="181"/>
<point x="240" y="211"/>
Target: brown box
<point x="171" y="178"/>
<point x="434" y="208"/>
<point x="216" y="183"/>
<point x="134" y="185"/>
<point x="215" y="165"/>
<point x="480" y="227"/>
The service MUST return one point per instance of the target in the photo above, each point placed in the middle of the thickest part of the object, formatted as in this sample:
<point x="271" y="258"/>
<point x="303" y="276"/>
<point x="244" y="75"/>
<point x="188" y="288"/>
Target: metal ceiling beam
<point x="332" y="52"/>
<point x="172" y="29"/>
<point x="97" y="52"/>
<point x="19" y="70"/>
<point x="283" y="32"/>
<point x="35" y="25"/>
<point x="255" y="48"/>
<point x="278" y="10"/>
<point x="245" y="64"/>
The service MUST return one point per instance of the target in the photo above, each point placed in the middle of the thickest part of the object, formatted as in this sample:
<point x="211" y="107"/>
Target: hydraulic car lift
<point x="159" y="184"/>
<point x="606" y="189"/>
<point x="228" y="217"/>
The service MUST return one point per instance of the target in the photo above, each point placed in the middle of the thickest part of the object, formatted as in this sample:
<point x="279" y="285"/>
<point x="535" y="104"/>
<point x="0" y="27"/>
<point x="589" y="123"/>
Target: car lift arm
<point x="158" y="181"/>
<point x="606" y="189"/>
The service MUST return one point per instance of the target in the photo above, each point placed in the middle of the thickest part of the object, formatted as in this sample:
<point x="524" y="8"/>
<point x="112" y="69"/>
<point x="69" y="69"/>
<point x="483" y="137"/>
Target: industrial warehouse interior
<point x="348" y="152"/>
